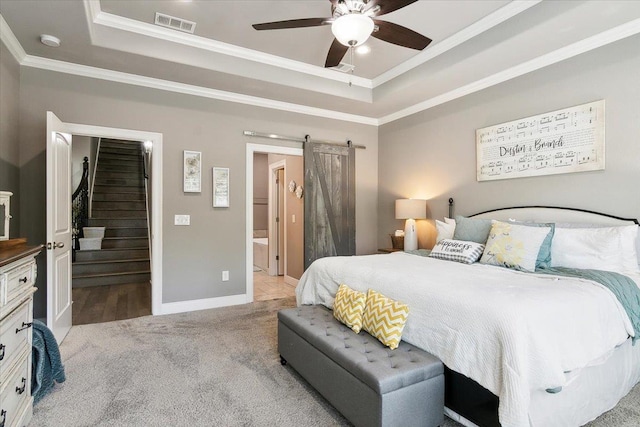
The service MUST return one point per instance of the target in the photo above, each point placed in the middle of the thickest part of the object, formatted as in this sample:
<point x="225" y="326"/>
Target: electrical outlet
<point x="225" y="276"/>
<point x="181" y="219"/>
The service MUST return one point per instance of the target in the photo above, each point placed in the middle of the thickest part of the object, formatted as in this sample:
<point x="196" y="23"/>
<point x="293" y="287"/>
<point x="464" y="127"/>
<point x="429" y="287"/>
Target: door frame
<point x="251" y="149"/>
<point x="156" y="192"/>
<point x="273" y="206"/>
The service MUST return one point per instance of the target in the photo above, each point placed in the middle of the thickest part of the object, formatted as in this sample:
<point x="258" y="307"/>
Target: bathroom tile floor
<point x="267" y="287"/>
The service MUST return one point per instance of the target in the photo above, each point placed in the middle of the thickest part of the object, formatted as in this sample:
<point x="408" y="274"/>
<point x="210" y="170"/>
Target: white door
<point x="280" y="223"/>
<point x="58" y="227"/>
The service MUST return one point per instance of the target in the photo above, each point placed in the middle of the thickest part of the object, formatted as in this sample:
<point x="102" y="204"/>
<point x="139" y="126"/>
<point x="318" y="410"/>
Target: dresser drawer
<point x="15" y="338"/>
<point x="19" y="278"/>
<point x="15" y="394"/>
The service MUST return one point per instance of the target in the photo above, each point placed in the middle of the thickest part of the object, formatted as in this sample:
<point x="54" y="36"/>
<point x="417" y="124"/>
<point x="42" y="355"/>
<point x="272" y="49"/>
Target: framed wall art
<point x="220" y="187"/>
<point x="562" y="141"/>
<point x="192" y="171"/>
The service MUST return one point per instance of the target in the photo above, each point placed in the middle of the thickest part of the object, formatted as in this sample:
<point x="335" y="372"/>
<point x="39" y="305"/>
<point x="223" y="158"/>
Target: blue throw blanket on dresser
<point x="47" y="367"/>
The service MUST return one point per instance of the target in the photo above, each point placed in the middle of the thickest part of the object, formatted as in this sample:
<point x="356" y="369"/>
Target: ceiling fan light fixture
<point x="352" y="29"/>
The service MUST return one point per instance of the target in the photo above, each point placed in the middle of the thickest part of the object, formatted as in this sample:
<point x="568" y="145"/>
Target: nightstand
<point x="389" y="250"/>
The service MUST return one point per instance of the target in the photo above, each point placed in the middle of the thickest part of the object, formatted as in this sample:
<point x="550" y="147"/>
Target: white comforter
<point x="509" y="331"/>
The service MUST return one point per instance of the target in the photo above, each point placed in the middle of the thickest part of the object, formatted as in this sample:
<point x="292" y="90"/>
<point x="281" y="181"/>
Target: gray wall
<point x="194" y="256"/>
<point x="260" y="191"/>
<point x="9" y="142"/>
<point x="432" y="155"/>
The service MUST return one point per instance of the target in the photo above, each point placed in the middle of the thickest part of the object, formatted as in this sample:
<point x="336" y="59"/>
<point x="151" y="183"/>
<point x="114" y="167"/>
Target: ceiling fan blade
<point x="402" y="36"/>
<point x="388" y="6"/>
<point x="292" y="23"/>
<point x="336" y="53"/>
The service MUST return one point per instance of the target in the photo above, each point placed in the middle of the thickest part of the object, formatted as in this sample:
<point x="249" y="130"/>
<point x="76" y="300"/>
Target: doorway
<point x="285" y="222"/>
<point x="111" y="277"/>
<point x="54" y="287"/>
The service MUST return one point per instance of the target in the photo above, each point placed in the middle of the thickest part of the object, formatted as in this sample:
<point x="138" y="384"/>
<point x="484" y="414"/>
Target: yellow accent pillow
<point x="348" y="307"/>
<point x="384" y="318"/>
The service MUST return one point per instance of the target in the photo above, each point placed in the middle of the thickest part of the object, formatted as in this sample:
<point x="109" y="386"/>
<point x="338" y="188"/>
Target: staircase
<point x="119" y="204"/>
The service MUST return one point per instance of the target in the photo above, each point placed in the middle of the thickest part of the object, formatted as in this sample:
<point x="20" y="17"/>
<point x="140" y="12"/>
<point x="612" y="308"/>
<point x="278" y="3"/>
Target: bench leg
<point x="283" y="361"/>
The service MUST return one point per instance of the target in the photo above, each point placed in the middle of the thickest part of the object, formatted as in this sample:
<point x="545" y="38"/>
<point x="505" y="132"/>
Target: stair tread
<point x="124" y="273"/>
<point x="110" y="261"/>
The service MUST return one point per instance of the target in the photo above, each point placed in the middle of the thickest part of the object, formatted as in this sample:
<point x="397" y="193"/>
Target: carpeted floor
<point x="212" y="367"/>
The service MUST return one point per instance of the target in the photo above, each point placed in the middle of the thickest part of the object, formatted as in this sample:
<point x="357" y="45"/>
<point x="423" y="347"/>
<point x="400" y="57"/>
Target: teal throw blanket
<point x="622" y="287"/>
<point x="47" y="367"/>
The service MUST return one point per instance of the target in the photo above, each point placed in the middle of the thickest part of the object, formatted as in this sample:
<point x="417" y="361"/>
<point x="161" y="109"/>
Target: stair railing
<point x="146" y="170"/>
<point x="80" y="206"/>
<point x="93" y="176"/>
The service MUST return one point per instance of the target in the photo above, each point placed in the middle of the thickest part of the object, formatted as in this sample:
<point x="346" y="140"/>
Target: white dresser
<point x="17" y="279"/>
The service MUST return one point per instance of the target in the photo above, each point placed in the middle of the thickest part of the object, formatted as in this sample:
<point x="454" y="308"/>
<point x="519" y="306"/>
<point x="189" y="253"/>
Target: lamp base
<point x="410" y="235"/>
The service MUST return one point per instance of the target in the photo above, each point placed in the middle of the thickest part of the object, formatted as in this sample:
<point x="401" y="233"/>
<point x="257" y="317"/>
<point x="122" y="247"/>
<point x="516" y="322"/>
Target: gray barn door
<point x="329" y="201"/>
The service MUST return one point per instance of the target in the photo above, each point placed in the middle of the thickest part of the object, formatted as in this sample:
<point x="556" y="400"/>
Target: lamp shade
<point x="352" y="29"/>
<point x="411" y="208"/>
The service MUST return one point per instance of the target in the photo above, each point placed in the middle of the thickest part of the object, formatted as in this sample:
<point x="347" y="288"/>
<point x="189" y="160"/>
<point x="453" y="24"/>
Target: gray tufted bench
<point x="364" y="380"/>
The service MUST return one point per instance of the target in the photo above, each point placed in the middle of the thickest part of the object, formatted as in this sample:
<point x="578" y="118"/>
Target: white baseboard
<point x="202" y="304"/>
<point x="290" y="280"/>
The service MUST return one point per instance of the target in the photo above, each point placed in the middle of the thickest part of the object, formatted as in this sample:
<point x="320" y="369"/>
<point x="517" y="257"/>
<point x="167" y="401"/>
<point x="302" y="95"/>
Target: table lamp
<point x="410" y="209"/>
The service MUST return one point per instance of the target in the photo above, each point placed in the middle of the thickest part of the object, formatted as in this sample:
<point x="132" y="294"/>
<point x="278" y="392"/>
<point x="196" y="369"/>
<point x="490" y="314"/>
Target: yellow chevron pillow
<point x="348" y="307"/>
<point x="384" y="318"/>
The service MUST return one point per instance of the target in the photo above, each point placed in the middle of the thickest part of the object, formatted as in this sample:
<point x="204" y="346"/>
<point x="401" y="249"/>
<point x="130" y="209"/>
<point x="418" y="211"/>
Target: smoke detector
<point x="49" y="40"/>
<point x="175" y="23"/>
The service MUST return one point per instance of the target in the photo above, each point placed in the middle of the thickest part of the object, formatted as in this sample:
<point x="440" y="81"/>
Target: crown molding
<point x="612" y="35"/>
<point x="604" y="38"/>
<point x="499" y="16"/>
<point x="97" y="17"/>
<point x="10" y="41"/>
<point x="204" y="92"/>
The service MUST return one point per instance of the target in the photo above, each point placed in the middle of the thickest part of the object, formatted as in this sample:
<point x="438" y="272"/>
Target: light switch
<point x="293" y="218"/>
<point x="225" y="275"/>
<point x="181" y="219"/>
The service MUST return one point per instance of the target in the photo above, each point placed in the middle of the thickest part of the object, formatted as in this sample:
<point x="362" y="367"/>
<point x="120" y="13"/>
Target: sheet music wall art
<point x="562" y="141"/>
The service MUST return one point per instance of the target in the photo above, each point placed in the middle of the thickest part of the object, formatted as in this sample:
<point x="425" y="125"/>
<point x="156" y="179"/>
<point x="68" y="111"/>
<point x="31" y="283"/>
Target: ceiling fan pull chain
<point x="353" y="64"/>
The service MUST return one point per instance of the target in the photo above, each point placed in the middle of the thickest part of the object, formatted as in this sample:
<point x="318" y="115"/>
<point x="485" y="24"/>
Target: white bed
<point x="519" y="335"/>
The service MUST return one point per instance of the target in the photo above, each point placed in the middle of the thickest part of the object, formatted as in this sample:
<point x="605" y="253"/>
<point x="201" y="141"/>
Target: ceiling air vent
<point x="175" y="23"/>
<point x="344" y="67"/>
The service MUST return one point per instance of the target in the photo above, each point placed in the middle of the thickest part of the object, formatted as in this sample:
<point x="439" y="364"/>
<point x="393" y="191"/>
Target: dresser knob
<point x="2" y="347"/>
<point x="21" y="390"/>
<point x="24" y="326"/>
<point x="23" y="280"/>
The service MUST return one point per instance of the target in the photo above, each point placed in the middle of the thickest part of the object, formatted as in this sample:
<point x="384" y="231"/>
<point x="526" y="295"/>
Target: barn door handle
<point x="2" y="348"/>
<point x="24" y="326"/>
<point x="21" y="390"/>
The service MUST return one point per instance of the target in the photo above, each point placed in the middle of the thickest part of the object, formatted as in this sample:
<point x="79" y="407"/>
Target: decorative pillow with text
<point x="457" y="250"/>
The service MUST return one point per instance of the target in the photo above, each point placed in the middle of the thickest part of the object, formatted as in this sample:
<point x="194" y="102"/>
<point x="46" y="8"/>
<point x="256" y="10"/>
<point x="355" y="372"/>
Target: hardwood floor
<point x="267" y="287"/>
<point x="96" y="304"/>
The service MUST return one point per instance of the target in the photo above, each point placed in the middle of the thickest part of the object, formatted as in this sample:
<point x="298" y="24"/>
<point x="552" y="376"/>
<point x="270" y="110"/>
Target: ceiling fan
<point x="352" y="22"/>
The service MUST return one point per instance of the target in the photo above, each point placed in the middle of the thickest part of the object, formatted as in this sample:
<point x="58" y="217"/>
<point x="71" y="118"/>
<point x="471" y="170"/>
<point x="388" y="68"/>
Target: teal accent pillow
<point x="544" y="256"/>
<point x="472" y="229"/>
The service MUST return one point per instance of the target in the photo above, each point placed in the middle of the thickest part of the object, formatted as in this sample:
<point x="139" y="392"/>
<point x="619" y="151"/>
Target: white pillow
<point x="457" y="250"/>
<point x="514" y="246"/>
<point x="445" y="229"/>
<point x="604" y="248"/>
